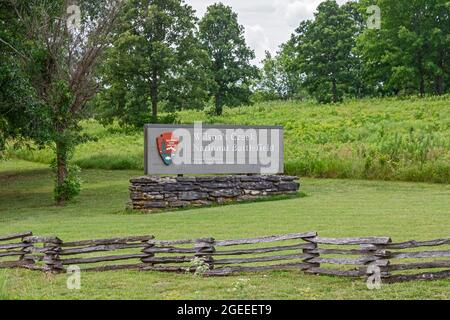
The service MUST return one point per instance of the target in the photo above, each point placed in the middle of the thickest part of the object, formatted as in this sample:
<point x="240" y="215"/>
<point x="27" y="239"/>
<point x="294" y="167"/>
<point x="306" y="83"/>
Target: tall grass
<point x="4" y="294"/>
<point x="111" y="149"/>
<point x="387" y="139"/>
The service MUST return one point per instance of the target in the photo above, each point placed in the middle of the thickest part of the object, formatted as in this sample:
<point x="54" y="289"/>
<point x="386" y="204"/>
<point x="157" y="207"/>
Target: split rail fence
<point x="307" y="252"/>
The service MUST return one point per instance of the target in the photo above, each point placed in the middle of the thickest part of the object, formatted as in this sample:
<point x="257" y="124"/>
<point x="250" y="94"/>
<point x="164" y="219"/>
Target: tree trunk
<point x="61" y="171"/>
<point x="154" y="97"/>
<point x="439" y="85"/>
<point x="219" y="108"/>
<point x="421" y="78"/>
<point x="422" y="85"/>
<point x="439" y="79"/>
<point x="334" y="89"/>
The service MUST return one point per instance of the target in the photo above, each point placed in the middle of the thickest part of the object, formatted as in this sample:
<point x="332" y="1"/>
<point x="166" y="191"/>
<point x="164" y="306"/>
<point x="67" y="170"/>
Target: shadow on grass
<point x="19" y="203"/>
<point x="24" y="174"/>
<point x="27" y="189"/>
<point x="297" y="195"/>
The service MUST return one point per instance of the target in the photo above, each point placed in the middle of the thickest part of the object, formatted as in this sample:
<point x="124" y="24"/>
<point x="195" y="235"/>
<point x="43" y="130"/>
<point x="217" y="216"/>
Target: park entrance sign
<point x="217" y="149"/>
<point x="197" y="165"/>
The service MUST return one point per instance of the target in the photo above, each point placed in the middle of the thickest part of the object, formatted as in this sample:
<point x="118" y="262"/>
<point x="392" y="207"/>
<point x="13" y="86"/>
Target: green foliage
<point x="223" y="39"/>
<point x="199" y="265"/>
<point x="70" y="188"/>
<point x="156" y="61"/>
<point x="241" y="285"/>
<point x="389" y="139"/>
<point x="22" y="116"/>
<point x="323" y="52"/>
<point x="336" y="55"/>
<point x="160" y="60"/>
<point x="410" y="53"/>
<point x="4" y="294"/>
<point x="278" y="81"/>
<point x="272" y="85"/>
<point x="48" y="75"/>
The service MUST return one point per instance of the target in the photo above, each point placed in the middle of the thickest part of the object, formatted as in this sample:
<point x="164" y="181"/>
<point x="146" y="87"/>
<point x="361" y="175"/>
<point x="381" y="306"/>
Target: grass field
<point x="383" y="139"/>
<point x="332" y="207"/>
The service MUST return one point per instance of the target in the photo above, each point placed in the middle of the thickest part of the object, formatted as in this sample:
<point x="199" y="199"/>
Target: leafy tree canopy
<point x="231" y="70"/>
<point x="324" y="52"/>
<point x="155" y="61"/>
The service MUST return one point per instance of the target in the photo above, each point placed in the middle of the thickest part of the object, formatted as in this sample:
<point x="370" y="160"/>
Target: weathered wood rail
<point x="410" y="257"/>
<point x="307" y="252"/>
<point x="13" y="253"/>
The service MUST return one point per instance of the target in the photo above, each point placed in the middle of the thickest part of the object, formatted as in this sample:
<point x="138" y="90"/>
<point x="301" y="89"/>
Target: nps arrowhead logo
<point x="167" y="147"/>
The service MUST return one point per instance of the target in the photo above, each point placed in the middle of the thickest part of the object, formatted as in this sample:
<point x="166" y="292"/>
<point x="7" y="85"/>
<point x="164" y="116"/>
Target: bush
<point x="71" y="187"/>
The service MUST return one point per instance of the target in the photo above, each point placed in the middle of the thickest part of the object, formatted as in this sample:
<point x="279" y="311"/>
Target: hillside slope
<point x="387" y="139"/>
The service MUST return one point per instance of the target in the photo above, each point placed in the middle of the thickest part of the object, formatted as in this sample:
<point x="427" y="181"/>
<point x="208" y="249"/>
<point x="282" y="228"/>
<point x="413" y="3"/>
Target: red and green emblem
<point x="167" y="147"/>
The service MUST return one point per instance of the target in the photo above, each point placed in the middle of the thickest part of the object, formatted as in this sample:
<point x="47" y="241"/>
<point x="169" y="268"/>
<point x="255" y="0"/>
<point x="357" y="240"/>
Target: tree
<point x="410" y="53"/>
<point x="358" y="87"/>
<point x="324" y="52"/>
<point x="293" y="80"/>
<point x="440" y="44"/>
<point x="19" y="108"/>
<point x="155" y="59"/>
<point x="59" y="66"/>
<point x="278" y="81"/>
<point x="230" y="67"/>
<point x="375" y="56"/>
<point x="272" y="84"/>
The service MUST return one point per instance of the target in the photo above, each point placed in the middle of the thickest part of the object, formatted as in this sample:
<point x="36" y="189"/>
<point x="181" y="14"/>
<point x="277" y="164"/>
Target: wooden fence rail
<point x="307" y="252"/>
<point x="13" y="254"/>
<point x="411" y="255"/>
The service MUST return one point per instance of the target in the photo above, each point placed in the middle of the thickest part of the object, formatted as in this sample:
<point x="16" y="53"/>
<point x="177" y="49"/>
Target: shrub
<point x="71" y="186"/>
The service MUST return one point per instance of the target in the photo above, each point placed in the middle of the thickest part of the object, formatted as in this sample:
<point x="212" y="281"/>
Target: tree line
<point x="128" y="60"/>
<point x="336" y="55"/>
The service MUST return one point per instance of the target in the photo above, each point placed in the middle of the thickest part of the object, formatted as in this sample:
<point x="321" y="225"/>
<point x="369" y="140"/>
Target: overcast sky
<point x="268" y="23"/>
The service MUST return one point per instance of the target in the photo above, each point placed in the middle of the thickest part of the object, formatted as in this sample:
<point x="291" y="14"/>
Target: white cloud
<point x="295" y="11"/>
<point x="268" y="23"/>
<point x="257" y="40"/>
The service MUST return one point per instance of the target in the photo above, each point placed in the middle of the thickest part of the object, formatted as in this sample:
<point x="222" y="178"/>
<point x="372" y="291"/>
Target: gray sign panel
<point x="213" y="149"/>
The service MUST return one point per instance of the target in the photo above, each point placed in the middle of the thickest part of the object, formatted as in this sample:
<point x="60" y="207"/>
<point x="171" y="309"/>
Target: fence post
<point x="28" y="249"/>
<point x="313" y="252"/>
<point x="52" y="249"/>
<point x="204" y="249"/>
<point x="148" y="250"/>
<point x="379" y="267"/>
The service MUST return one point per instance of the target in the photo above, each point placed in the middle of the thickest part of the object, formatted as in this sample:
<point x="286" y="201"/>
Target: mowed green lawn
<point x="332" y="207"/>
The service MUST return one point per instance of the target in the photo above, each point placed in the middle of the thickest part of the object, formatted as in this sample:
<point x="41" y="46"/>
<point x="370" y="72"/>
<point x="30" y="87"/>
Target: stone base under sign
<point x="154" y="193"/>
